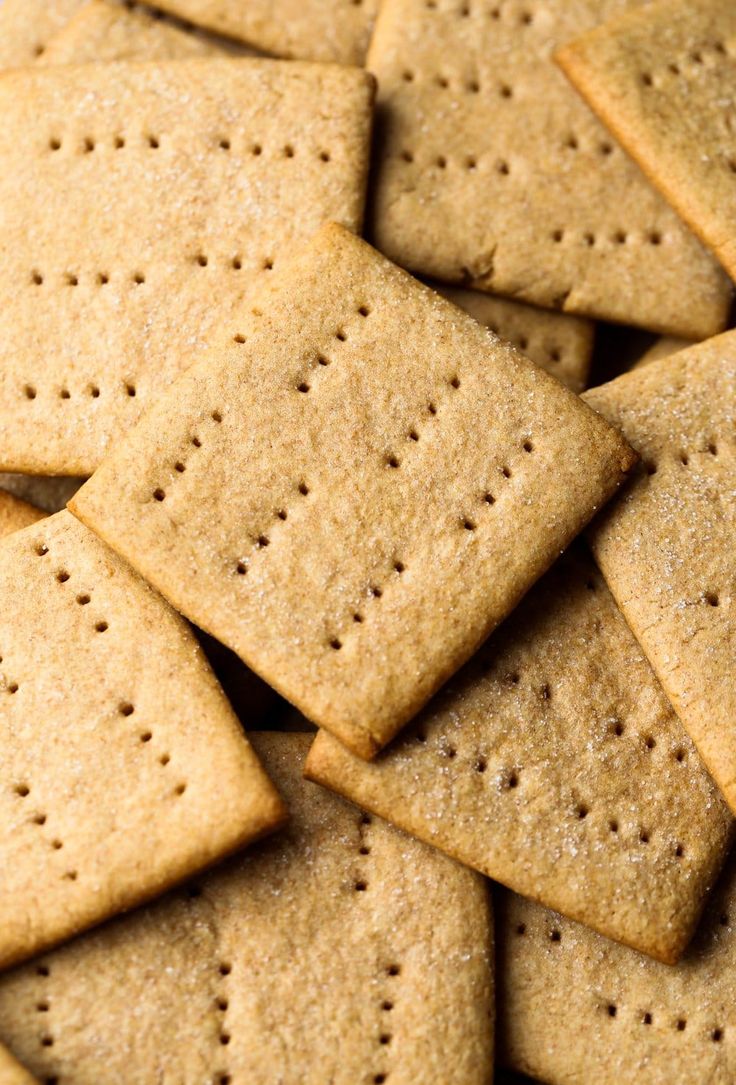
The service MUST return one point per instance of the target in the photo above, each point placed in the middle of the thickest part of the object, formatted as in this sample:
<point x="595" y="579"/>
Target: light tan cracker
<point x="491" y="169"/>
<point x="340" y="950"/>
<point x="663" y="79"/>
<point x="666" y="545"/>
<point x="561" y="344"/>
<point x="164" y="194"/>
<point x="576" y="1009"/>
<point x="16" y="514"/>
<point x="27" y="26"/>
<point x="554" y="764"/>
<point x="355" y="489"/>
<point x="123" y="767"/>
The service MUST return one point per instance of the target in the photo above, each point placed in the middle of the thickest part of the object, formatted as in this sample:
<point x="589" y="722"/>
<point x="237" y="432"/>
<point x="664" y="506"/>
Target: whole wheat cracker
<point x="16" y="514"/>
<point x="575" y="1008"/>
<point x="128" y="203"/>
<point x="665" y="546"/>
<point x="537" y="203"/>
<point x="326" y="492"/>
<point x="561" y="344"/>
<point x="27" y="26"/>
<point x="11" y="1071"/>
<point x="340" y="950"/>
<point x="663" y="79"/>
<point x="554" y="764"/>
<point x="123" y="767"/>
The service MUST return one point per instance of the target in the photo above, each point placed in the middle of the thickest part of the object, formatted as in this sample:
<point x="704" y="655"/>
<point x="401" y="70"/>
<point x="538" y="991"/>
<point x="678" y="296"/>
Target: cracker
<point x="561" y="344"/>
<point x="323" y="30"/>
<point x="202" y="173"/>
<point x="26" y="27"/>
<point x="541" y="204"/>
<point x="325" y="488"/>
<point x="11" y="1071"/>
<point x="104" y="31"/>
<point x="554" y="764"/>
<point x="49" y="494"/>
<point x="340" y="950"/>
<point x="662" y="347"/>
<point x="662" y="79"/>
<point x="123" y="767"/>
<point x="666" y="547"/>
<point x="16" y="514"/>
<point x="574" y="1007"/>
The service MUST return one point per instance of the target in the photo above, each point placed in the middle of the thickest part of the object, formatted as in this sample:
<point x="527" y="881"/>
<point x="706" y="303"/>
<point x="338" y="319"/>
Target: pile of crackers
<point x="368" y="515"/>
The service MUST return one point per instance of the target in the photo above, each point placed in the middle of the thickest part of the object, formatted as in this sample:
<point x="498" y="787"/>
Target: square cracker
<point x="323" y="30"/>
<point x="666" y="547"/>
<point x="492" y="170"/>
<point x="559" y="343"/>
<point x="124" y="769"/>
<point x="663" y="80"/>
<point x="103" y="31"/>
<point x="27" y="26"/>
<point x="554" y="764"/>
<point x="132" y="195"/>
<point x="575" y="1008"/>
<point x="353" y="490"/>
<point x="340" y="950"/>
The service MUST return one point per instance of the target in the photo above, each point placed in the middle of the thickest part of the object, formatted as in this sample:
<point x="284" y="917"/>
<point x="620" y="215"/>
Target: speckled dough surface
<point x="340" y="950"/>
<point x="323" y="30"/>
<point x="16" y="514"/>
<point x="27" y="26"/>
<point x="555" y="764"/>
<point x="666" y="545"/>
<point x="664" y="81"/>
<point x="123" y="768"/>
<point x="201" y="175"/>
<point x="561" y="344"/>
<point x="576" y="1009"/>
<point x="491" y="168"/>
<point x="11" y="1071"/>
<point x="355" y="489"/>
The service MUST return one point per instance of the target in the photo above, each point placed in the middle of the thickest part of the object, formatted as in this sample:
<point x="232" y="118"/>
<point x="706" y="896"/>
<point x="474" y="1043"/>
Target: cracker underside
<point x="386" y="501"/>
<point x="124" y="768"/>
<point x="312" y="954"/>
<point x="665" y="546"/>
<point x="559" y="217"/>
<point x="202" y="173"/>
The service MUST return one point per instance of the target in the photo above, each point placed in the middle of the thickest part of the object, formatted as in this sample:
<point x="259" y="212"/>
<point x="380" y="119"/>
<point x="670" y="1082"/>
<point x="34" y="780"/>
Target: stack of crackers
<point x="368" y="516"/>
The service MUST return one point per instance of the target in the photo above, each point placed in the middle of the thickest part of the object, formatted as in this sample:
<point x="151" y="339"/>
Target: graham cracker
<point x="666" y="546"/>
<point x="16" y="514"/>
<point x="326" y="487"/>
<point x="574" y="1007"/>
<point x="554" y="764"/>
<point x="11" y="1071"/>
<point x="104" y="31"/>
<point x="662" y="79"/>
<point x="201" y="174"/>
<point x="540" y="204"/>
<point x="322" y="30"/>
<point x="124" y="768"/>
<point x="27" y="26"/>
<point x="46" y="493"/>
<point x="340" y="950"/>
<point x="561" y="344"/>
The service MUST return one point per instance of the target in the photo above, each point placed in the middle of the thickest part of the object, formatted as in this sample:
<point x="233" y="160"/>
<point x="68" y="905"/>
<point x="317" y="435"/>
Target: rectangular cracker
<point x="554" y="764"/>
<point x="340" y="950"/>
<point x="104" y="31"/>
<point x="575" y="1008"/>
<point x="540" y="204"/>
<point x="124" y="769"/>
<point x="27" y="26"/>
<point x="666" y="545"/>
<point x="559" y="343"/>
<point x="353" y="490"/>
<point x="323" y="30"/>
<point x="662" y="79"/>
<point x="131" y="197"/>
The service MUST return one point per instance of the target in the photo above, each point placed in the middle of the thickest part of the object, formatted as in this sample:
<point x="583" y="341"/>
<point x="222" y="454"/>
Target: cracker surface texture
<point x="340" y="950"/>
<point x="666" y="545"/>
<point x="491" y="170"/>
<point x="27" y="26"/>
<point x="663" y="79"/>
<point x="353" y="490"/>
<point x="16" y="514"/>
<point x="201" y="174"/>
<point x="125" y="770"/>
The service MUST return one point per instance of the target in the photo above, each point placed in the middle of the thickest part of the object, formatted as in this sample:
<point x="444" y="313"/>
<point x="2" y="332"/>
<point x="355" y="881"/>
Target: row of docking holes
<point x="474" y="163"/>
<point x="138" y="278"/>
<point x="708" y="55"/>
<point x="613" y="1010"/>
<point x="43" y="1006"/>
<point x="91" y="391"/>
<point x="89" y="145"/>
<point x="683" y="457"/>
<point x="522" y="17"/>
